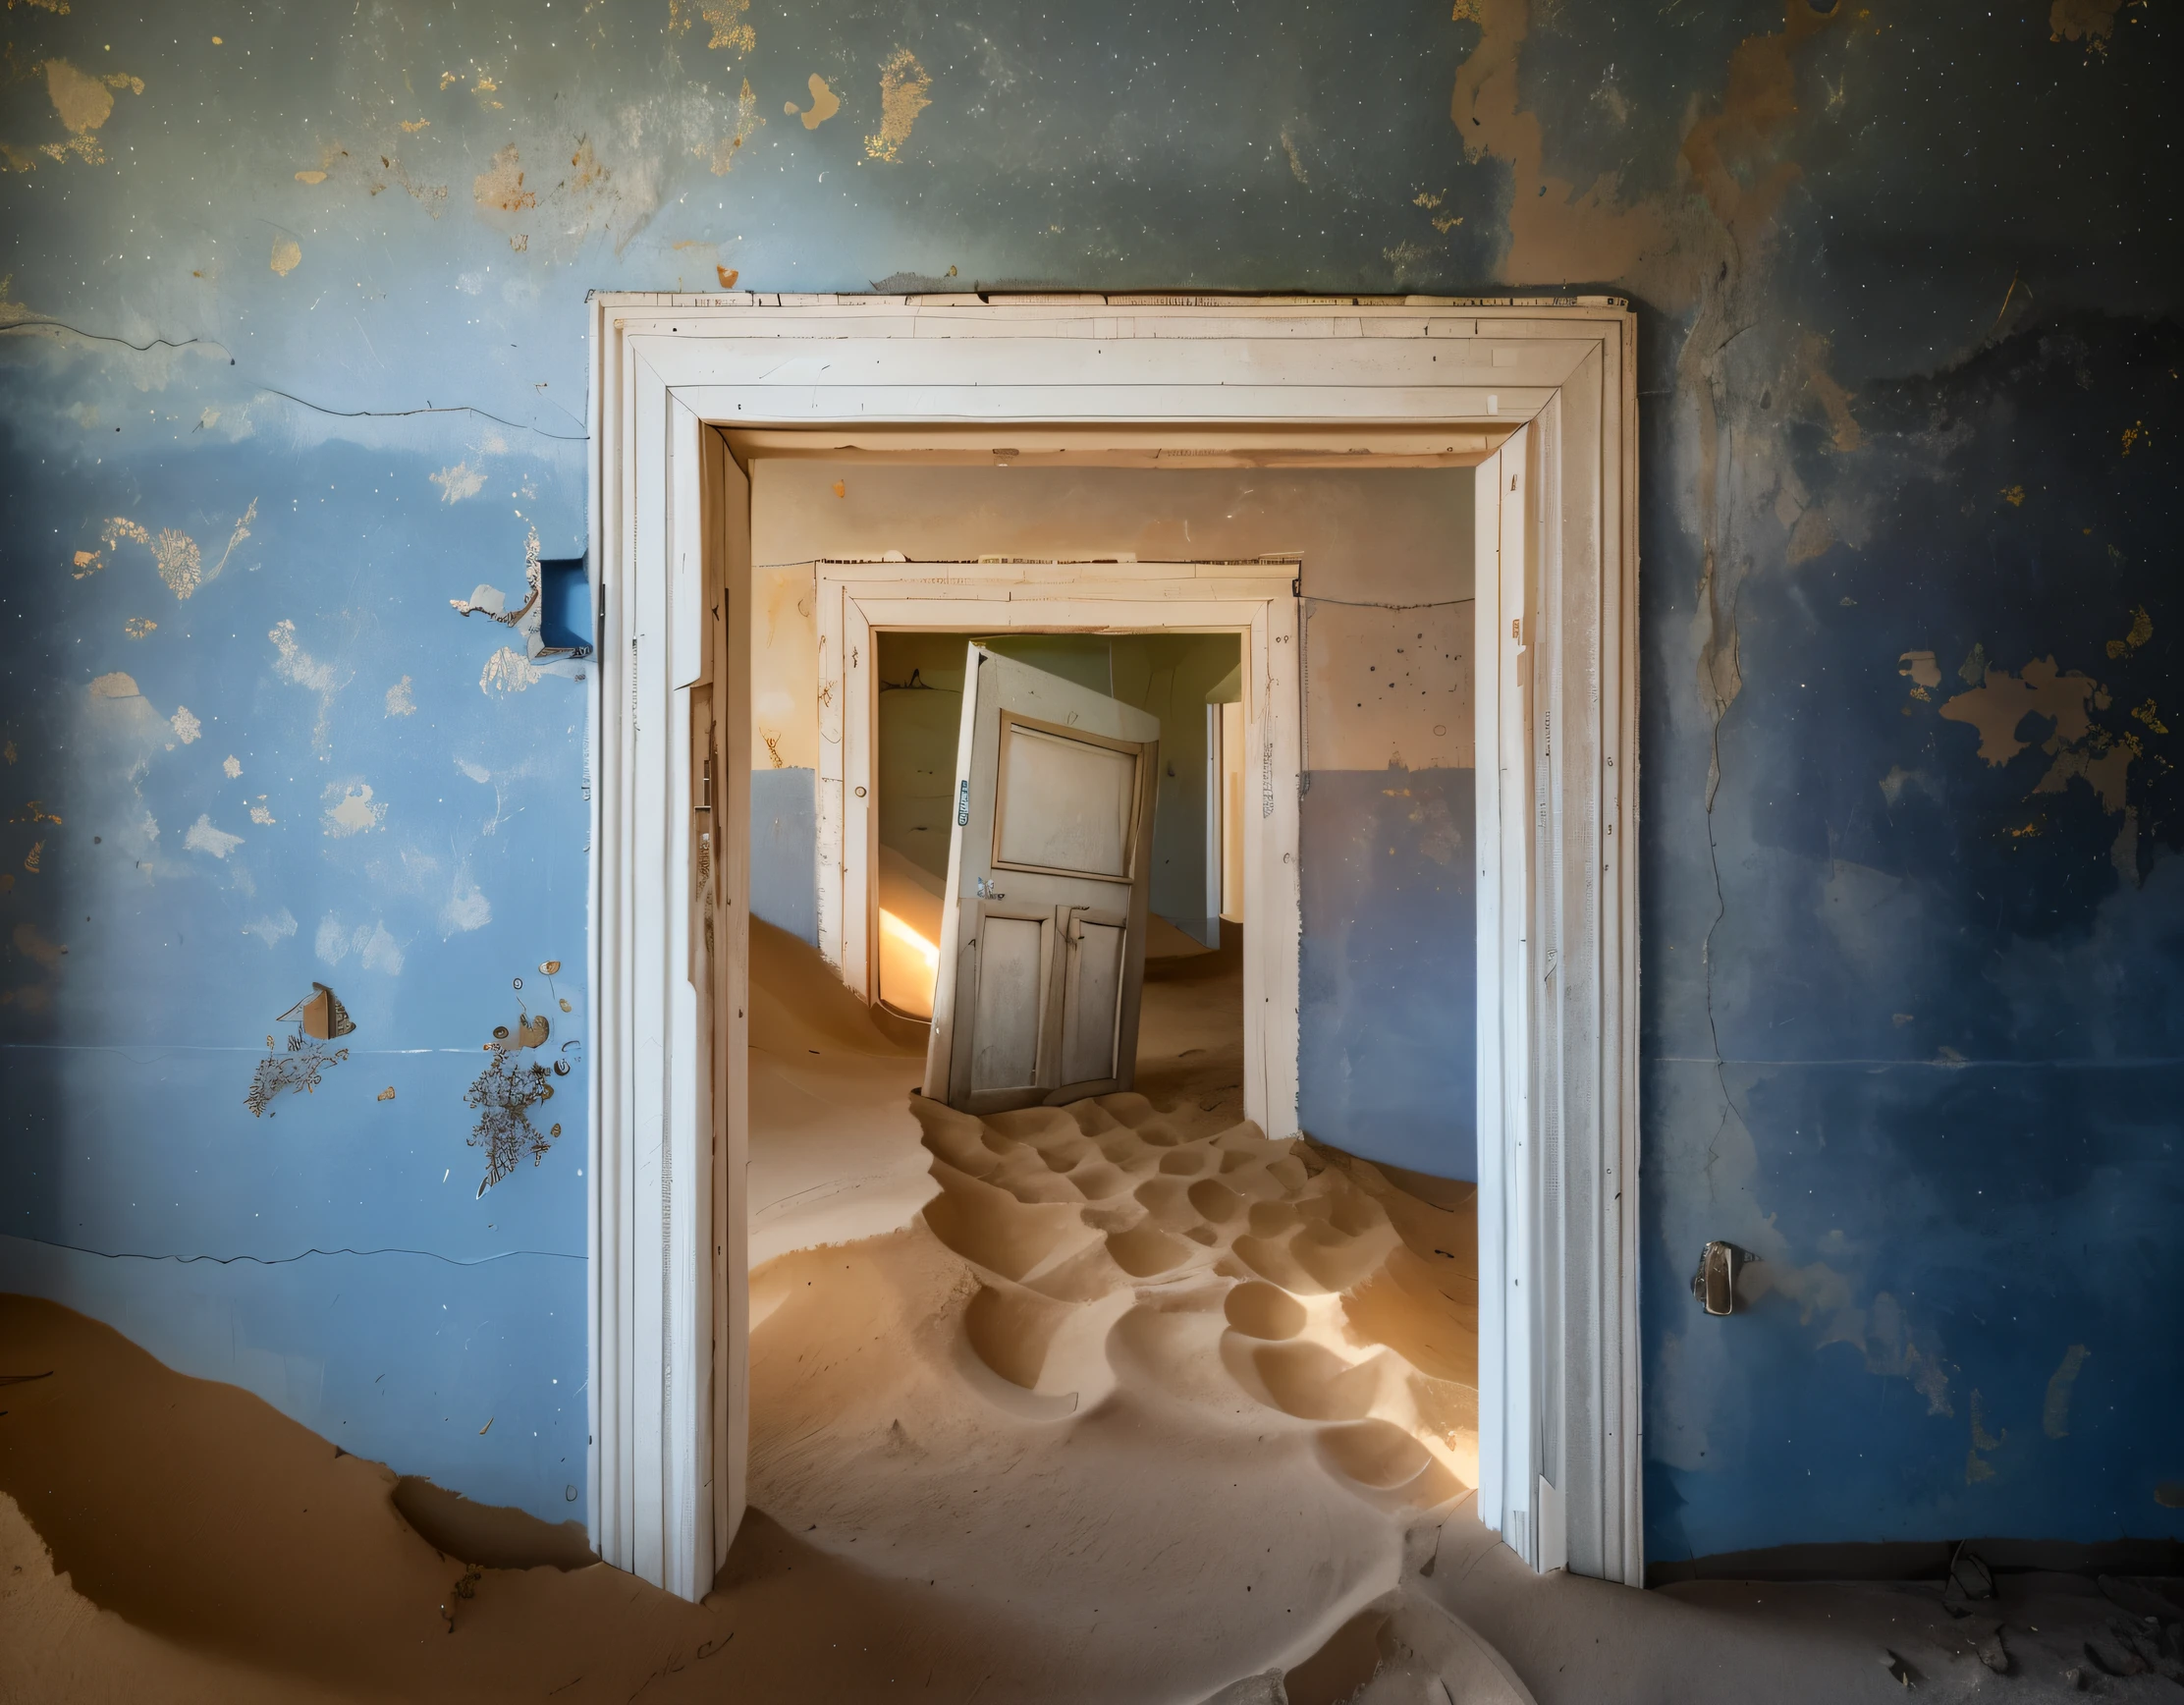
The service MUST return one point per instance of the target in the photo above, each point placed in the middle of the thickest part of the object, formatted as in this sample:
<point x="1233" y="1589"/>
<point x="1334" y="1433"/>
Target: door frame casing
<point x="1559" y="1433"/>
<point x="858" y="599"/>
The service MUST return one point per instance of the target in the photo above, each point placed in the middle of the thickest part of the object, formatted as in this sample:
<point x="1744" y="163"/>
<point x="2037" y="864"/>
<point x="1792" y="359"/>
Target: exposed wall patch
<point x="2092" y="22"/>
<point x="465" y="911"/>
<point x="202" y="837"/>
<point x="274" y="928"/>
<point x="508" y="1087"/>
<point x="375" y="948"/>
<point x="459" y="482"/>
<point x="499" y="189"/>
<point x="747" y="121"/>
<point x="2002" y="701"/>
<point x="318" y="1017"/>
<point x="509" y="671"/>
<point x="299" y="668"/>
<point x="903" y="85"/>
<point x="2054" y="1413"/>
<point x="825" y="103"/>
<point x="83" y="103"/>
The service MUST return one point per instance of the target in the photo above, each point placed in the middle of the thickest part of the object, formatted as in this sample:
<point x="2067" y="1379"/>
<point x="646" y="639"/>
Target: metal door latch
<point x="1715" y="1283"/>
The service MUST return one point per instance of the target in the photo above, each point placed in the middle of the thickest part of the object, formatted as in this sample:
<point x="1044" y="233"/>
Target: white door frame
<point x="1106" y="597"/>
<point x="1556" y="671"/>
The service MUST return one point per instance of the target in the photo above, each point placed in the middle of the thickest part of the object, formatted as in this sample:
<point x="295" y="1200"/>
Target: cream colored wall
<point x="1394" y="536"/>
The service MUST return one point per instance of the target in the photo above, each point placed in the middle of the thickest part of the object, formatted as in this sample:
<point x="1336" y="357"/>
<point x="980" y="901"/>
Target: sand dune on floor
<point x="1111" y="1403"/>
<point x="1144" y="1379"/>
<point x="834" y="1151"/>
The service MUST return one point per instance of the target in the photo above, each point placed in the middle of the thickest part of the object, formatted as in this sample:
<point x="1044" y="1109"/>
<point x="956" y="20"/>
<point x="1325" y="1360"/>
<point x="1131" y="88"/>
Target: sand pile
<point x="834" y="1151"/>
<point x="1117" y="1403"/>
<point x="1159" y="1392"/>
<point x="1153" y="1393"/>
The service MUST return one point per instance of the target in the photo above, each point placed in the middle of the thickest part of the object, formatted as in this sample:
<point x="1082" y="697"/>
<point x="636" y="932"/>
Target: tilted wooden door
<point x="1042" y="951"/>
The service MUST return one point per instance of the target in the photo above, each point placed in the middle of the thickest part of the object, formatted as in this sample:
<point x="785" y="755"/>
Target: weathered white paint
<point x="858" y="598"/>
<point x="1561" y="919"/>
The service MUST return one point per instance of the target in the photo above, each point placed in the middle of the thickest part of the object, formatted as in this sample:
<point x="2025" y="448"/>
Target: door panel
<point x="1092" y="997"/>
<point x="1065" y="803"/>
<point x="1049" y="873"/>
<point x="1011" y="957"/>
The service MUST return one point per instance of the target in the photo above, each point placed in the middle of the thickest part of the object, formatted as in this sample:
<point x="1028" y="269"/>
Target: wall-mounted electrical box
<point x="564" y="607"/>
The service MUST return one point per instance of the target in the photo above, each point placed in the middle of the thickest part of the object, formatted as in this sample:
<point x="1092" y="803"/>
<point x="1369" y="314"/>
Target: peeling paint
<point x="1976" y="1465"/>
<point x="375" y="948"/>
<point x="825" y="103"/>
<point x="731" y="24"/>
<point x="2001" y="702"/>
<point x="460" y="481"/>
<point x="401" y="701"/>
<point x="507" y="670"/>
<point x="174" y="553"/>
<point x="350" y="808"/>
<point x="2141" y="630"/>
<point x="466" y="910"/>
<point x="2092" y="22"/>
<point x="300" y="1067"/>
<point x="903" y="85"/>
<point x="299" y="668"/>
<point x="499" y="189"/>
<point x="286" y="255"/>
<point x="2054" y="1411"/>
<point x="1921" y="668"/>
<point x="1555" y="228"/>
<point x="202" y="837"/>
<point x="748" y="123"/>
<point x="273" y="929"/>
<point x="504" y="1094"/>
<point x="1834" y="400"/>
<point x="82" y="103"/>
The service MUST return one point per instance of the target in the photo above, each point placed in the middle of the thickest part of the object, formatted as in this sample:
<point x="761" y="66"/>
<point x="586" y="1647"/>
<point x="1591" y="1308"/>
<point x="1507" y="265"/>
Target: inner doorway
<point x="1183" y="685"/>
<point x="1535" y="394"/>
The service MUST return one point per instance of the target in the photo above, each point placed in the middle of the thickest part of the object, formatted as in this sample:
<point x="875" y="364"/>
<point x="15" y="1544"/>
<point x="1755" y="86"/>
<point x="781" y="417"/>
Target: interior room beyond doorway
<point x="1146" y="1316"/>
<point x="1187" y="680"/>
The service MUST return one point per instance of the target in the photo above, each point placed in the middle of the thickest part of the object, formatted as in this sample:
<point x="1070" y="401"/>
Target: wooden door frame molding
<point x="1256" y="602"/>
<point x="1290" y="380"/>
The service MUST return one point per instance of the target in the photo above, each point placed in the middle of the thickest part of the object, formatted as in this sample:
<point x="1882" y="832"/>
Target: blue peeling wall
<point x="294" y="358"/>
<point x="1387" y="992"/>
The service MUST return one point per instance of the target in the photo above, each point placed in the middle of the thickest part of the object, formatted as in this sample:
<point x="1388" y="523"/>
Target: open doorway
<point x="701" y="398"/>
<point x="1184" y="682"/>
<point x="1121" y="1291"/>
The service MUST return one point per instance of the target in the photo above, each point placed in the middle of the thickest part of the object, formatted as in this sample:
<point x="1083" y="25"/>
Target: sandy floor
<point x="1115" y="1403"/>
<point x="1127" y="1372"/>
